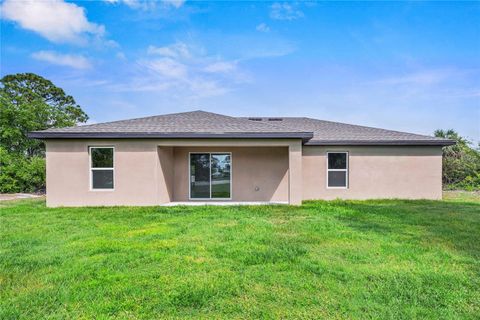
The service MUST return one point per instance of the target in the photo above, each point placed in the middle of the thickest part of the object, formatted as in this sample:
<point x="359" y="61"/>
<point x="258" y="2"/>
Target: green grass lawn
<point x="358" y="259"/>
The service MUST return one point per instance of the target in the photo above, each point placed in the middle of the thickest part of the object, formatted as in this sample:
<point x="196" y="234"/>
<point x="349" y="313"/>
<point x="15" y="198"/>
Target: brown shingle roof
<point x="201" y="124"/>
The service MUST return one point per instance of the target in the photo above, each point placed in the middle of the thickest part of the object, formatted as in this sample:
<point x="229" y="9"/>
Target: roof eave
<point x="439" y="142"/>
<point x="305" y="136"/>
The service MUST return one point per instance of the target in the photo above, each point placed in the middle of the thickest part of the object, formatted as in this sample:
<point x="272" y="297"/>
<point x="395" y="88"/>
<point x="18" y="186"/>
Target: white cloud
<point x="220" y="67"/>
<point x="188" y="71"/>
<point x="167" y="67"/>
<point x="207" y="88"/>
<point x="175" y="3"/>
<point x="182" y="70"/>
<point x="134" y="4"/>
<point x="420" y="78"/>
<point x="262" y="27"/>
<point x="73" y="61"/>
<point x="285" y="11"/>
<point x="121" y="56"/>
<point x="56" y="20"/>
<point x="176" y="50"/>
<point x="147" y="4"/>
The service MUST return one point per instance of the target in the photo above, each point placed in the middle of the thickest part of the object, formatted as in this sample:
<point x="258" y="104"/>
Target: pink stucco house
<point x="206" y="157"/>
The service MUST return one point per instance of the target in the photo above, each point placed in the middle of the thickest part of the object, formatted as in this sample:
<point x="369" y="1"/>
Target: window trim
<point x="91" y="169"/>
<point x="210" y="176"/>
<point x="346" y="170"/>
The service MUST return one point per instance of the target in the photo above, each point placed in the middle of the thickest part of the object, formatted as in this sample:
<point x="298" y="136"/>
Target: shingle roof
<point x="336" y="133"/>
<point x="201" y="124"/>
<point x="194" y="124"/>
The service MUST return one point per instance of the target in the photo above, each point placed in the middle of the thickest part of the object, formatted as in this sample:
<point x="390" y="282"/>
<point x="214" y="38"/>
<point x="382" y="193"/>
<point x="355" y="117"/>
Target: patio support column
<point x="295" y="173"/>
<point x="164" y="175"/>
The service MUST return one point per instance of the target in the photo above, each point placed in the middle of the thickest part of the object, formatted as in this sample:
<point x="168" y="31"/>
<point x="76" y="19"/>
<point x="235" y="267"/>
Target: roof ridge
<point x="243" y="119"/>
<point x="287" y="126"/>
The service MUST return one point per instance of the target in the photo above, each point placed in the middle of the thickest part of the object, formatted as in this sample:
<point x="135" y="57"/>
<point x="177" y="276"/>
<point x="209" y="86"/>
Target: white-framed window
<point x="102" y="172"/>
<point x="337" y="170"/>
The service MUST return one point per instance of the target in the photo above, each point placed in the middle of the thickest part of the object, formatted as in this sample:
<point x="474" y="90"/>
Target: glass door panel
<point x="220" y="175"/>
<point x="200" y="176"/>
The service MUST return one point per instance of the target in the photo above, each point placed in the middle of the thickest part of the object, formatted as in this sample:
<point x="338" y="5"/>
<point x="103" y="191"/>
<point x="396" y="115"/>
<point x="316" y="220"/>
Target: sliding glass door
<point x="200" y="175"/>
<point x="210" y="176"/>
<point x="220" y="175"/>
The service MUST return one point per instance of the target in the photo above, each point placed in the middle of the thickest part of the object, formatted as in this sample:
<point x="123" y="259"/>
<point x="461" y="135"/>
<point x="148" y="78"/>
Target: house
<point x="207" y="157"/>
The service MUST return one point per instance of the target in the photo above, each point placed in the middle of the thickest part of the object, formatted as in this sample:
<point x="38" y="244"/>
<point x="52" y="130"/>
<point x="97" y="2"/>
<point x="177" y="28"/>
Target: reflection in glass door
<point x="200" y="175"/>
<point x="210" y="176"/>
<point x="220" y="175"/>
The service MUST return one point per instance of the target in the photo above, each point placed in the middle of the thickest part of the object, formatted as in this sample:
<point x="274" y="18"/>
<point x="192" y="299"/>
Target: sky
<point x="407" y="66"/>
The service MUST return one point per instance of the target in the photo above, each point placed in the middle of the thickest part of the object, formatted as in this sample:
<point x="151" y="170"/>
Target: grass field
<point x="339" y="260"/>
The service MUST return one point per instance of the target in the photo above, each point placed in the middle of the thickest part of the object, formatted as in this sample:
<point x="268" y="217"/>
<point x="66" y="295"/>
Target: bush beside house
<point x="21" y="174"/>
<point x="461" y="163"/>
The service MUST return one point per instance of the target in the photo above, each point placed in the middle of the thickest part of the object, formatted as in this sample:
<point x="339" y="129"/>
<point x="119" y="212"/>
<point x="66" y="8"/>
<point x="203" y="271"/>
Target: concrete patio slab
<point x="222" y="203"/>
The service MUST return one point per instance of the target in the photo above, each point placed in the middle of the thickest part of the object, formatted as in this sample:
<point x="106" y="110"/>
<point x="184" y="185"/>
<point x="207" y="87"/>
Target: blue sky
<point x="410" y="66"/>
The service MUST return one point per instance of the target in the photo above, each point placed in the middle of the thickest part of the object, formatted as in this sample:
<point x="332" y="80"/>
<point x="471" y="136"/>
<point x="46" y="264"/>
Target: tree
<point x="461" y="162"/>
<point x="29" y="102"/>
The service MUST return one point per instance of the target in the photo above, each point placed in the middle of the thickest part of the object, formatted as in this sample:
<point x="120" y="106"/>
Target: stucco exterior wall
<point x="262" y="167"/>
<point x="136" y="173"/>
<point x="376" y="172"/>
<point x="152" y="172"/>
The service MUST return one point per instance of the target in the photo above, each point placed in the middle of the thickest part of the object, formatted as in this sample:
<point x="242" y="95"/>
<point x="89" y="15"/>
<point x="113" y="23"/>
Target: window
<point x="101" y="167"/>
<point x="337" y="169"/>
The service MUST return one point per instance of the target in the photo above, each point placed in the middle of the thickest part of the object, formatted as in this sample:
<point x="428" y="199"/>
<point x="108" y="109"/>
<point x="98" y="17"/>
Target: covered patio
<point x="230" y="171"/>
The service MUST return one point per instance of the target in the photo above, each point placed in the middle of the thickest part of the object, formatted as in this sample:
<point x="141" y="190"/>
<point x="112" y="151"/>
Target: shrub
<point x="21" y="174"/>
<point x="470" y="183"/>
<point x="461" y="163"/>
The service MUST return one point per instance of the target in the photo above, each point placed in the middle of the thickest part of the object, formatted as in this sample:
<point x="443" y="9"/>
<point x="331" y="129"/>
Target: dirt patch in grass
<point x="461" y="195"/>
<point x="18" y="196"/>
